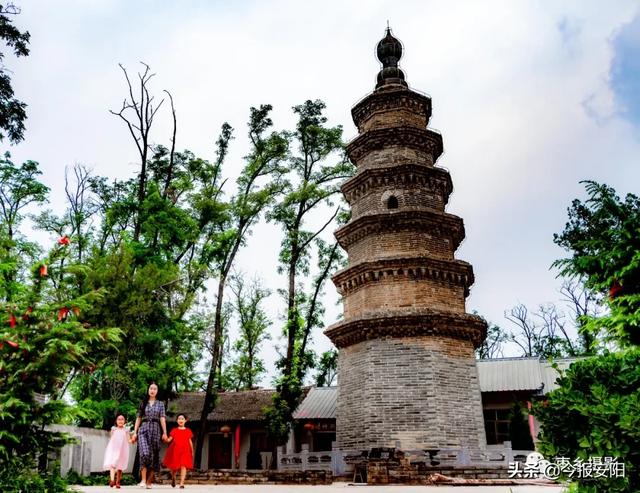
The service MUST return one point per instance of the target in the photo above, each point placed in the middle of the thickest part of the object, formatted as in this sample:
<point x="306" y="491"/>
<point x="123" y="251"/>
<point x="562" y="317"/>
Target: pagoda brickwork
<point x="406" y="365"/>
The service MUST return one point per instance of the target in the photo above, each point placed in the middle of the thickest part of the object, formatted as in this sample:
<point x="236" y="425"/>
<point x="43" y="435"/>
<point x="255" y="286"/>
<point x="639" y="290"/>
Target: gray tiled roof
<point x="497" y="375"/>
<point x="320" y="403"/>
<point x="512" y="374"/>
<point x="246" y="405"/>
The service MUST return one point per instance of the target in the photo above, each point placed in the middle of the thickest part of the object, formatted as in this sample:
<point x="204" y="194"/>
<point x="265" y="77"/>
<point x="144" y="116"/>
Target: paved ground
<point x="336" y="487"/>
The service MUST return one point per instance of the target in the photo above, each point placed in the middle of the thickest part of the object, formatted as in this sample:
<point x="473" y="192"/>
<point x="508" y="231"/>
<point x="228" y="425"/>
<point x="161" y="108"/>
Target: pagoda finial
<point x="389" y="52"/>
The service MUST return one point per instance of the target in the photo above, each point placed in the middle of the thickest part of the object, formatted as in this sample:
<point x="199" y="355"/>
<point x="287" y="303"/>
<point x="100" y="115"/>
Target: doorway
<point x="219" y="451"/>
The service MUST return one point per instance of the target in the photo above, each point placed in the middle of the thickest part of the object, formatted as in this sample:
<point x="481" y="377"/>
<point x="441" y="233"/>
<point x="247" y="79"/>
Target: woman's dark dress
<point x="150" y="436"/>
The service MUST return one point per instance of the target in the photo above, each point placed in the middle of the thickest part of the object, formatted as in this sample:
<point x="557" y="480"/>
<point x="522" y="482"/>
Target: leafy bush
<point x="596" y="413"/>
<point x="15" y="478"/>
<point x="99" y="479"/>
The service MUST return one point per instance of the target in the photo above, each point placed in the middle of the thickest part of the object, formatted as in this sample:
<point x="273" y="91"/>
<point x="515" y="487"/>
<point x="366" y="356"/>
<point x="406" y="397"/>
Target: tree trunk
<point x="211" y="392"/>
<point x="291" y="324"/>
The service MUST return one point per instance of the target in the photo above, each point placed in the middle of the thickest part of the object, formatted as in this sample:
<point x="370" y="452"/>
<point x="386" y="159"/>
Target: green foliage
<point x="312" y="182"/>
<point x="327" y="368"/>
<point x="603" y="237"/>
<point x="279" y="415"/>
<point x="596" y="412"/>
<point x="247" y="368"/>
<point x="152" y="284"/>
<point x="258" y="185"/>
<point x="19" y="188"/>
<point x="99" y="479"/>
<point x="317" y="168"/>
<point x="44" y="340"/>
<point x="15" y="478"/>
<point x="12" y="111"/>
<point x="152" y="337"/>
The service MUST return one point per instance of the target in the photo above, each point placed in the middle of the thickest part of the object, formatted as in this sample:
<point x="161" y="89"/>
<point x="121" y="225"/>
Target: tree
<point x="595" y="411"/>
<point x="257" y="187"/>
<point x="327" y="368"/>
<point x="584" y="304"/>
<point x="44" y="339"/>
<point x="138" y="116"/>
<point x="545" y="335"/>
<point x="602" y="237"/>
<point x="247" y="368"/>
<point x="152" y="284"/>
<point x="492" y="346"/>
<point x="317" y="169"/>
<point x="12" y="111"/>
<point x="19" y="188"/>
<point x="158" y="241"/>
<point x="77" y="221"/>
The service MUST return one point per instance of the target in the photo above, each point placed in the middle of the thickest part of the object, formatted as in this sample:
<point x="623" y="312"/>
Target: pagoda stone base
<point x="415" y="393"/>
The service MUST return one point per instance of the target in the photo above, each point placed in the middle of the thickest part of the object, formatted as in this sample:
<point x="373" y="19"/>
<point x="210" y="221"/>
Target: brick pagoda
<point x="406" y="370"/>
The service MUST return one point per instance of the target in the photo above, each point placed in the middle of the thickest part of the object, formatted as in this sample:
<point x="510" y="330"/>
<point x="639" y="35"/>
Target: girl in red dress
<point x="180" y="452"/>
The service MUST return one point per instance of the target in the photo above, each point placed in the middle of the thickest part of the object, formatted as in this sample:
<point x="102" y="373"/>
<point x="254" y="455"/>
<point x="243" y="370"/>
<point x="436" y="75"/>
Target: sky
<point x="531" y="97"/>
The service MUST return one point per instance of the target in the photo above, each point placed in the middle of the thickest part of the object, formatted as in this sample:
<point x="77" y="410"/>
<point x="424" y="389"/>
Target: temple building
<point x="406" y="368"/>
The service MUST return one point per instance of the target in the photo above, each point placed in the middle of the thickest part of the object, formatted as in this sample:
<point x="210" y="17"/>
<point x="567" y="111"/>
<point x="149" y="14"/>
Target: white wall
<point x="87" y="455"/>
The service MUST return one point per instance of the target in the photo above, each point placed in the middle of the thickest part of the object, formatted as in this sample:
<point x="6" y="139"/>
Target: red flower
<point x="64" y="240"/>
<point x="43" y="270"/>
<point x="28" y="311"/>
<point x="615" y="290"/>
<point x="13" y="344"/>
<point x="63" y="312"/>
<point x="12" y="321"/>
<point x="76" y="310"/>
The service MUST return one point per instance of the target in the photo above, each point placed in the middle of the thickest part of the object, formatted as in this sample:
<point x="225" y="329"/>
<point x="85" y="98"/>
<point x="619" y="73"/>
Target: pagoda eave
<point x="433" y="178"/>
<point x="418" y="322"/>
<point x="403" y="136"/>
<point x="439" y="223"/>
<point x="395" y="99"/>
<point x="454" y="272"/>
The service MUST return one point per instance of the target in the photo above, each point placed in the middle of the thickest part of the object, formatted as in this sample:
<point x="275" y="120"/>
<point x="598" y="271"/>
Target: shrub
<point x="596" y="413"/>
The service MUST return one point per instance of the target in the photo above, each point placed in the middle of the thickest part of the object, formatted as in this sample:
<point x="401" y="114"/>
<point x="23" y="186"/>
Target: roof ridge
<point x="202" y="392"/>
<point x="527" y="358"/>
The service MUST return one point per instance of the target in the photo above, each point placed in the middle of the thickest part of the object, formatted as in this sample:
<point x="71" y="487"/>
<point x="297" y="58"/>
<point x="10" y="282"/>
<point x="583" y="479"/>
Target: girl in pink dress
<point x="116" y="456"/>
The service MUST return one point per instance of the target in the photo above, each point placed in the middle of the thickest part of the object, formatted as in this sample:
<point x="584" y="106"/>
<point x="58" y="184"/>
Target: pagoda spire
<point x="389" y="52"/>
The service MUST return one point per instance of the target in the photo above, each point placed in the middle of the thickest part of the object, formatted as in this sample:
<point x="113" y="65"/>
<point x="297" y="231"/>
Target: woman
<point x="151" y="418"/>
